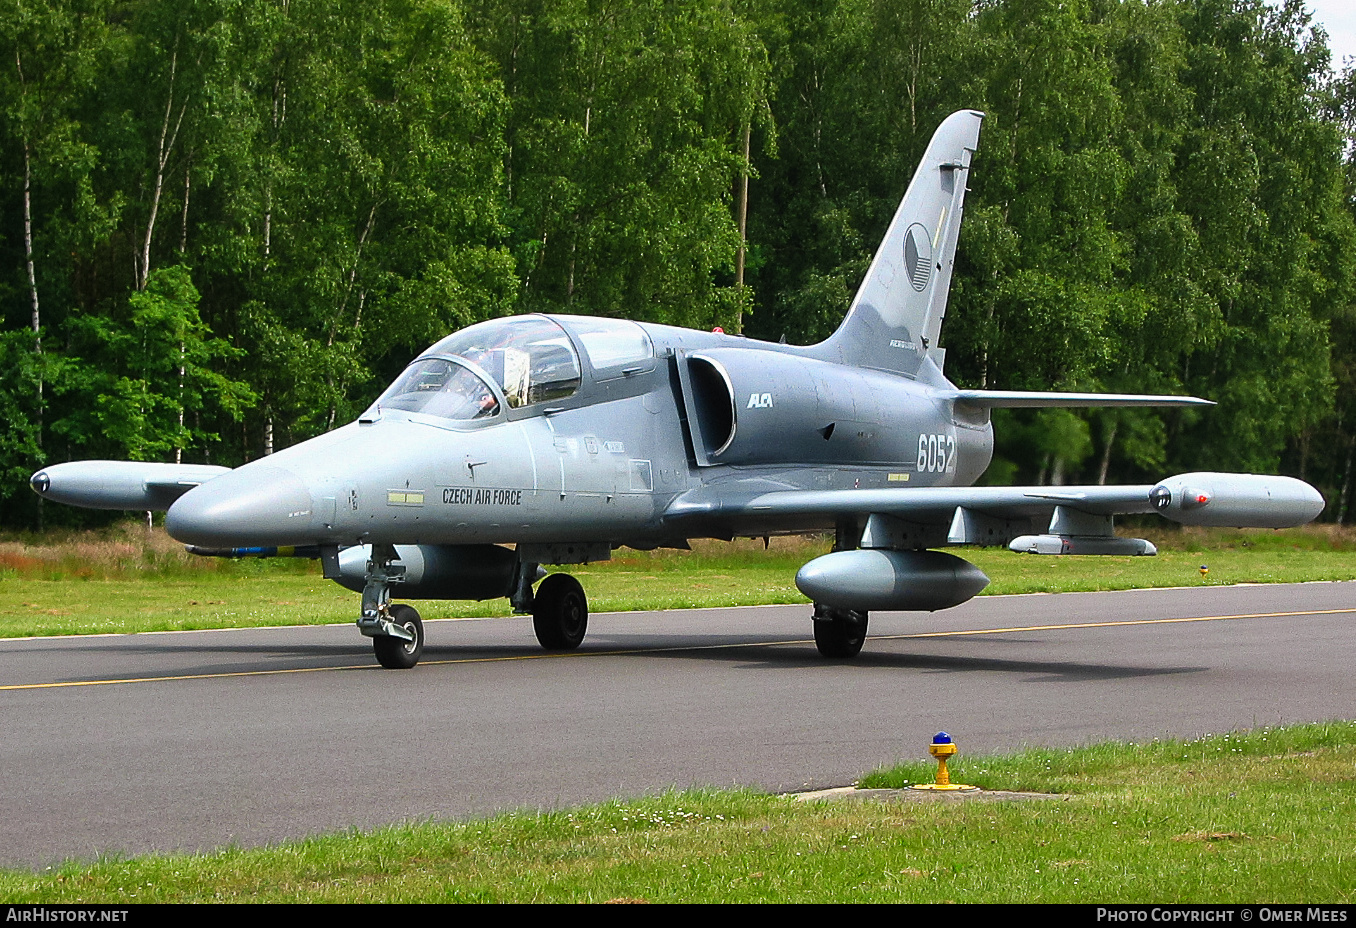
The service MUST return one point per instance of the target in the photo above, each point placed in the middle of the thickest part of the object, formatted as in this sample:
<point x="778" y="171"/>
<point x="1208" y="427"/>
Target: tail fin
<point x="897" y="314"/>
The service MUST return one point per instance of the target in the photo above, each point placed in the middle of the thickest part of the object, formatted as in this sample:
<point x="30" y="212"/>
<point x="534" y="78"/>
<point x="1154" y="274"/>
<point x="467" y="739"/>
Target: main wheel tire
<point x="396" y="653"/>
<point x="560" y="613"/>
<point x="839" y="633"/>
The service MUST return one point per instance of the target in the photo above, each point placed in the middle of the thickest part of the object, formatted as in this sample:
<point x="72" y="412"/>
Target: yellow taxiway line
<point x="701" y="647"/>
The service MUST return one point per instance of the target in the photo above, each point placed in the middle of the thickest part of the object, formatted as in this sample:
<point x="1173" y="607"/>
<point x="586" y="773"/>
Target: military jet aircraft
<point x="540" y="439"/>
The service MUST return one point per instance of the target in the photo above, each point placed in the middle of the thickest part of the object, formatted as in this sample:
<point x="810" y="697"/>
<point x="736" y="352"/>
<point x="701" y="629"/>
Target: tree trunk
<point x="743" y="225"/>
<point x="36" y="320"/>
<point x="162" y="160"/>
<point x="178" y="450"/>
<point x="353" y="272"/>
<point x="1106" y="453"/>
<point x="183" y="217"/>
<point x="1346" y="482"/>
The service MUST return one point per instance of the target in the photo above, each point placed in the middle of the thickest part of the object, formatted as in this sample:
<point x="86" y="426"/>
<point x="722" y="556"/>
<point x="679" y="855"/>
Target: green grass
<point x="85" y="583"/>
<point x="1264" y="816"/>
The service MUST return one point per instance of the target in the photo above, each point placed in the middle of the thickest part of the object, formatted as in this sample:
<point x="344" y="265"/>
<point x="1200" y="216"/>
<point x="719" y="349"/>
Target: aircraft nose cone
<point x="254" y="505"/>
<point x="40" y="482"/>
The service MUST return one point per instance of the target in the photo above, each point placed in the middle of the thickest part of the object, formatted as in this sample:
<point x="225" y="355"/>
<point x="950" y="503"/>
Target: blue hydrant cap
<point x="941" y="738"/>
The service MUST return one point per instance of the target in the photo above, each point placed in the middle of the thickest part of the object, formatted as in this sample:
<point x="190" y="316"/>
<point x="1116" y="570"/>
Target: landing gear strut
<point x="397" y="632"/>
<point x="839" y="633"/>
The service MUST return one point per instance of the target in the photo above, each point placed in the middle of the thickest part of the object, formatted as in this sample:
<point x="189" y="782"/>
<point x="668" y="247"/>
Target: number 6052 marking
<point x="937" y="453"/>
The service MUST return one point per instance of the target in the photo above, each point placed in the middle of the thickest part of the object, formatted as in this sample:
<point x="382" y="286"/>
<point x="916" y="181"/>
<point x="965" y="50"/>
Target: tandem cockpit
<point x="507" y="368"/>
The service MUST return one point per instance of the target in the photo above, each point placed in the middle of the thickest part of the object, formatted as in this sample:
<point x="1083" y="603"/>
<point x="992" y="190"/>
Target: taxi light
<point x="941" y="748"/>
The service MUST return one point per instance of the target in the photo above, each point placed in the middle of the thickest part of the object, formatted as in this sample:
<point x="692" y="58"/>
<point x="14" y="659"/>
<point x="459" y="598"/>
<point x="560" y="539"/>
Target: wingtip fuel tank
<point x="1236" y="500"/>
<point x="120" y="484"/>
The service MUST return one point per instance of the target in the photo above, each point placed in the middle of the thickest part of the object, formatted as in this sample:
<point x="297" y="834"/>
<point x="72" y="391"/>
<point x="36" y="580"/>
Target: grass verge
<point x="1262" y="816"/>
<point x="84" y="583"/>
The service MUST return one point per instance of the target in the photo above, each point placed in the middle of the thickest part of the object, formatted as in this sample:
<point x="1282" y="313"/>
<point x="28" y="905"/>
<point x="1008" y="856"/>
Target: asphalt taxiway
<point x="192" y="740"/>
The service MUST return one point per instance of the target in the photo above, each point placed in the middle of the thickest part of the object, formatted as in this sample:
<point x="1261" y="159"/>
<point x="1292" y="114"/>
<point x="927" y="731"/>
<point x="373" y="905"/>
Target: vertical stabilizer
<point x="895" y="318"/>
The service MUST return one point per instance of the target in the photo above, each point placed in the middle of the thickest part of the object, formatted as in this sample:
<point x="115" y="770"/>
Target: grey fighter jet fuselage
<point x="690" y="414"/>
<point x="566" y="437"/>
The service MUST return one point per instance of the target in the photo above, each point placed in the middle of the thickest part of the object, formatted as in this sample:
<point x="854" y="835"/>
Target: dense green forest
<point x="224" y="224"/>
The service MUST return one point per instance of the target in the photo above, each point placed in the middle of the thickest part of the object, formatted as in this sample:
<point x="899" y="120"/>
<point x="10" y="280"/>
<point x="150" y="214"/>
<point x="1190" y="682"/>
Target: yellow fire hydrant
<point x="941" y="748"/>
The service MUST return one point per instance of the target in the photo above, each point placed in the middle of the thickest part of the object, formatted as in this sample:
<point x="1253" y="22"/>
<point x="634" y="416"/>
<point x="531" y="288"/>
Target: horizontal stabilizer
<point x="1021" y="399"/>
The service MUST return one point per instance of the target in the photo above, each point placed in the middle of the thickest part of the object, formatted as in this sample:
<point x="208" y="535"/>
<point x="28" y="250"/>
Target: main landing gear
<point x="559" y="609"/>
<point x="560" y="613"/>
<point x="839" y="633"/>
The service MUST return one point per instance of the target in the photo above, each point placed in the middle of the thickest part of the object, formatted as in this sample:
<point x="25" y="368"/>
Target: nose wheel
<point x="560" y="613"/>
<point x="397" y="653"/>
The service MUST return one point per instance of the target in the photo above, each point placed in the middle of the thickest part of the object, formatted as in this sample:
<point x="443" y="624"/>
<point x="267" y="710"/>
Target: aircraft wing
<point x="922" y="503"/>
<point x="939" y="516"/>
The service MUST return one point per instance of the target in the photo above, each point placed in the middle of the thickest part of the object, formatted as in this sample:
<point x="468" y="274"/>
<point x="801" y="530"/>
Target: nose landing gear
<point x="397" y="632"/>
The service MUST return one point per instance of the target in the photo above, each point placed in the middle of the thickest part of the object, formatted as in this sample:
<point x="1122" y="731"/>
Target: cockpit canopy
<point x="530" y="358"/>
<point x="440" y="387"/>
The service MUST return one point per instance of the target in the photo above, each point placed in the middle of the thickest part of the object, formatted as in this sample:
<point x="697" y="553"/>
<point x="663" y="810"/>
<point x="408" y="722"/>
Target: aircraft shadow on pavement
<point x="803" y="657"/>
<point x="800" y="656"/>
